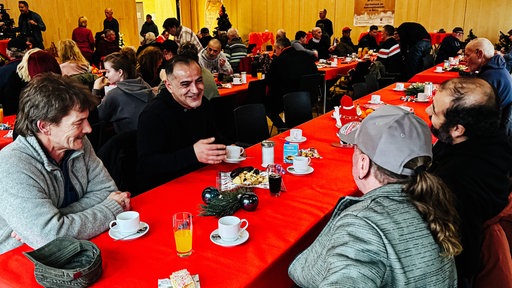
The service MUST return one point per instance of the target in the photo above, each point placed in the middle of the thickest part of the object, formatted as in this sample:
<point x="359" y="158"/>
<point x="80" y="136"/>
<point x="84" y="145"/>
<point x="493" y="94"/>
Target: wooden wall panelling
<point x="488" y="17"/>
<point x="61" y="17"/>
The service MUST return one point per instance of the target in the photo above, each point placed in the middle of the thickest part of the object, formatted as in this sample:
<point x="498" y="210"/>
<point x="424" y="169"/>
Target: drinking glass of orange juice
<point x="182" y="227"/>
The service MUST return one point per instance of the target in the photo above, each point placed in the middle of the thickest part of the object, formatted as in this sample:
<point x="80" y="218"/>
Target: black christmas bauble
<point x="210" y="193"/>
<point x="249" y="201"/>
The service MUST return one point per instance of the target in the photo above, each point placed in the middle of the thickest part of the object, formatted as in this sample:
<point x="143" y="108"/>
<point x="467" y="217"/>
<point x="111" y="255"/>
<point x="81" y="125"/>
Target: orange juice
<point x="183" y="240"/>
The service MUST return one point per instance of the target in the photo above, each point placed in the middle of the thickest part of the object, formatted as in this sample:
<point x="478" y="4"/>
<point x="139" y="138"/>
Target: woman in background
<point x="122" y="104"/>
<point x="83" y="38"/>
<point x="72" y="60"/>
<point x="149" y="62"/>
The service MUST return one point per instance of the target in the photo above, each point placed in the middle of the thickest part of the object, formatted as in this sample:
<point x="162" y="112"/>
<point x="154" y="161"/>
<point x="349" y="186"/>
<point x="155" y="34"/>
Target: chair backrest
<point x="222" y="108"/>
<point x="372" y="84"/>
<point x="257" y="92"/>
<point x="251" y="125"/>
<point x="297" y="108"/>
<point x="428" y="61"/>
<point x="119" y="155"/>
<point x="313" y="84"/>
<point x="359" y="90"/>
<point x="496" y="252"/>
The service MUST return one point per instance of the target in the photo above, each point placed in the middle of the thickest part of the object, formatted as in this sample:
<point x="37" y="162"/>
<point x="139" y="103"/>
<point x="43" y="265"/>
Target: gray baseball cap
<point x="66" y="262"/>
<point x="391" y="137"/>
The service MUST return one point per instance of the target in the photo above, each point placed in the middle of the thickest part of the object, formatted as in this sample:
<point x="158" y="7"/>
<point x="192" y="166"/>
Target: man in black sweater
<point x="473" y="158"/>
<point x="176" y="132"/>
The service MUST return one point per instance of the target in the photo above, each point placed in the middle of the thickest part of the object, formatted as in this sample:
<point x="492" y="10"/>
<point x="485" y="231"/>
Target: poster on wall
<point x="374" y="12"/>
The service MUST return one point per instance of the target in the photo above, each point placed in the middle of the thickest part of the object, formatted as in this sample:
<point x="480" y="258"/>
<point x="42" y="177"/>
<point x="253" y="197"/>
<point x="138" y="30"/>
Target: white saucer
<point x="308" y="171"/>
<point x="117" y="235"/>
<point x="435" y="71"/>
<point x="421" y="101"/>
<point x="237" y="84"/>
<point x="380" y="102"/>
<point x="220" y="242"/>
<point x="396" y="89"/>
<point x="293" y="140"/>
<point x="234" y="161"/>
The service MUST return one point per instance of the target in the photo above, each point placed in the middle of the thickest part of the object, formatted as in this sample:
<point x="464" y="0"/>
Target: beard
<point x="442" y="133"/>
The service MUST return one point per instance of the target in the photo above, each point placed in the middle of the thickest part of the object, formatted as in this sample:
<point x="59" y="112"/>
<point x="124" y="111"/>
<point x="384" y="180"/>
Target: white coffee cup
<point x="439" y="68"/>
<point x="230" y="227"/>
<point x="126" y="222"/>
<point x="237" y="80"/>
<point x="244" y="77"/>
<point x="296" y="134"/>
<point x="375" y="99"/>
<point x="422" y="96"/>
<point x="234" y="152"/>
<point x="400" y="86"/>
<point x="301" y="163"/>
<point x="348" y="59"/>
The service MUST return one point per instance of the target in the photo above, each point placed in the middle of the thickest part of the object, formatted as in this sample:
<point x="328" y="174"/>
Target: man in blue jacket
<point x="480" y="59"/>
<point x="31" y="24"/>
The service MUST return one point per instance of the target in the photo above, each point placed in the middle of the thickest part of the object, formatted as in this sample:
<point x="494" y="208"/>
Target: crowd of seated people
<point x="134" y="94"/>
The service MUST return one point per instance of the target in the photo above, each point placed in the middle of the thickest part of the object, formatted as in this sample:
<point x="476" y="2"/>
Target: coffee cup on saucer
<point x="234" y="152"/>
<point x="126" y="222"/>
<point x="301" y="163"/>
<point x="230" y="227"/>
<point x="422" y="97"/>
<point x="439" y="68"/>
<point x="237" y="81"/>
<point x="375" y="99"/>
<point x="296" y="134"/>
<point x="399" y="86"/>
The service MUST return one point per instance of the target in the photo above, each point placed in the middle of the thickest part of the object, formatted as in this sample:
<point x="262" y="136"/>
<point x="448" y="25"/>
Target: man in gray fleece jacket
<point x="52" y="183"/>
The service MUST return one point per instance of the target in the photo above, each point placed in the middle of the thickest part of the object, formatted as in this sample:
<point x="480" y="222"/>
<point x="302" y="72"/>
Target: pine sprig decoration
<point x="226" y="204"/>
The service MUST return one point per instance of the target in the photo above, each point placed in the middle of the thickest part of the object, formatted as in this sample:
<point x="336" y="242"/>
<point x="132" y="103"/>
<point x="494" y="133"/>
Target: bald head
<point x="478" y="52"/>
<point x="317" y="33"/>
<point x="109" y="12"/>
<point x="466" y="92"/>
<point x="482" y="44"/>
<point x="213" y="49"/>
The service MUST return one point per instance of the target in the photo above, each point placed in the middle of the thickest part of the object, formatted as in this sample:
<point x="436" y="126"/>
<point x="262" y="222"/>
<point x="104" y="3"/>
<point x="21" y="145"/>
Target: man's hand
<point x="32" y="22"/>
<point x="209" y="153"/>
<point x="222" y="62"/>
<point x="122" y="198"/>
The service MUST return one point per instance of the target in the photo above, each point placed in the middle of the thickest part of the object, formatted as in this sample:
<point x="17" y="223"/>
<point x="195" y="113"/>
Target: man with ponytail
<point x="403" y="231"/>
<point x="474" y="160"/>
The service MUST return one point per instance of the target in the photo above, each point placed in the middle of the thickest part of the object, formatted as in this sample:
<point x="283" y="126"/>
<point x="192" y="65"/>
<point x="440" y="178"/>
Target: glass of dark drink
<point x="274" y="179"/>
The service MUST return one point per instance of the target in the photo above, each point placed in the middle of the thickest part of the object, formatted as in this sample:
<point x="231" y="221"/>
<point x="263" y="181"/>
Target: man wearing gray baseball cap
<point x="402" y="231"/>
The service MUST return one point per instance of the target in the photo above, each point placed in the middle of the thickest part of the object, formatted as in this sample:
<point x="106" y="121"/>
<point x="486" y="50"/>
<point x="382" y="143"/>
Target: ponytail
<point x="433" y="200"/>
<point x="435" y="203"/>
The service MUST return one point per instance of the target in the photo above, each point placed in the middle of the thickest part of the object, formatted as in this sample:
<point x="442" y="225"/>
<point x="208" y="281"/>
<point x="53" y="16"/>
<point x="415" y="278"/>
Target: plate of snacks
<point x="247" y="176"/>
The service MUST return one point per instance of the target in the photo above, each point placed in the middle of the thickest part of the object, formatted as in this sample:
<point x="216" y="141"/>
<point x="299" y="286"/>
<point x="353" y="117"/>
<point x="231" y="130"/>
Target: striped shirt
<point x="377" y="240"/>
<point x="235" y="51"/>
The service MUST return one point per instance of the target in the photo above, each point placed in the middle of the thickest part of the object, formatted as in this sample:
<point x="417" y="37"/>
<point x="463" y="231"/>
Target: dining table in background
<point x="280" y="228"/>
<point x="4" y="141"/>
<point x="3" y="47"/>
<point x="430" y="75"/>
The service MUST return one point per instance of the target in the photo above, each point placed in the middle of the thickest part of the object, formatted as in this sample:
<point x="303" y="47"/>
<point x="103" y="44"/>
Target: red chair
<point x="496" y="253"/>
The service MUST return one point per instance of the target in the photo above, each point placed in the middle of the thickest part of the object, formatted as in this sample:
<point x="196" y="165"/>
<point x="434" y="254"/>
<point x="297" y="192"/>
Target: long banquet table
<point x="279" y="228"/>
<point x="4" y="141"/>
<point x="435" y="77"/>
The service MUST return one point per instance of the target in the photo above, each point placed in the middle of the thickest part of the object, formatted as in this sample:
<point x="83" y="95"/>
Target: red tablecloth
<point x="3" y="47"/>
<point x="4" y="141"/>
<point x="333" y="72"/>
<point x="236" y="89"/>
<point x="260" y="38"/>
<point x="435" y="77"/>
<point x="279" y="228"/>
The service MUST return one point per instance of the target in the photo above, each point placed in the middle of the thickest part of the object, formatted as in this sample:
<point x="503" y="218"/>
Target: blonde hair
<point x="22" y="68"/>
<point x="68" y="51"/>
<point x="82" y="21"/>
